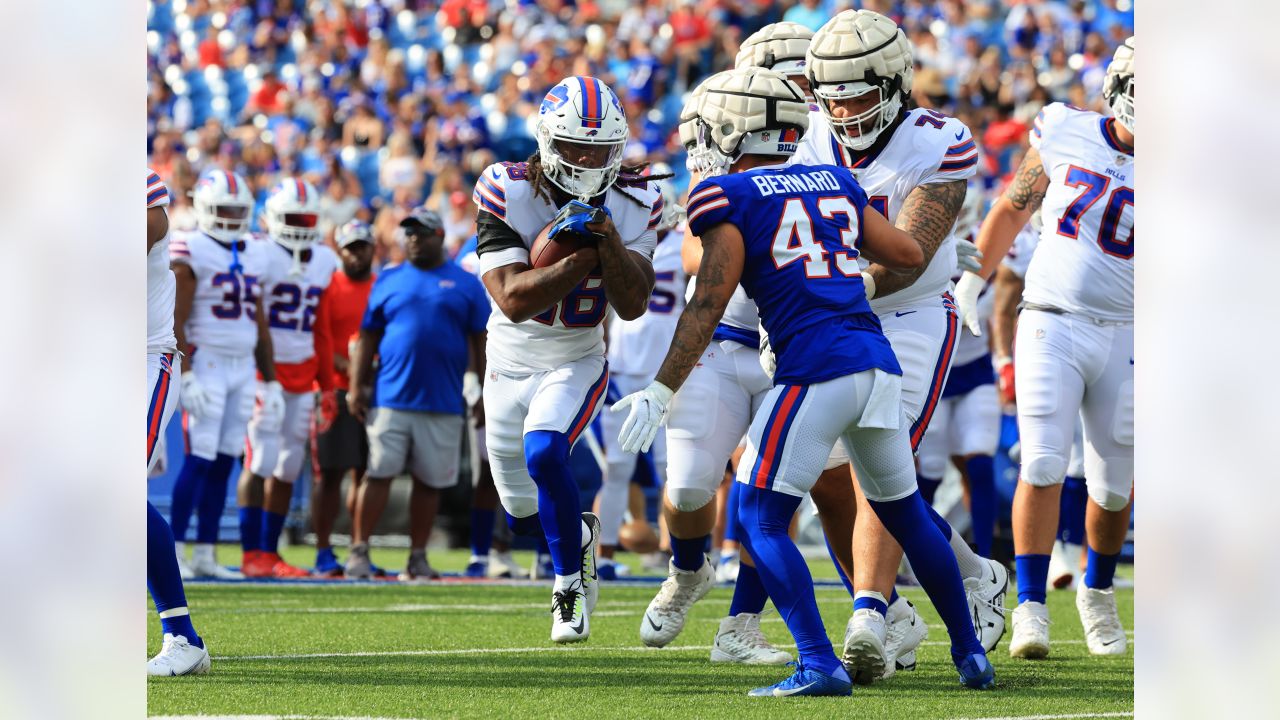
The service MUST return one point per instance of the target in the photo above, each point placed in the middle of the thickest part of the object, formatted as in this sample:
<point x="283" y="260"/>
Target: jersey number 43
<point x="794" y="241"/>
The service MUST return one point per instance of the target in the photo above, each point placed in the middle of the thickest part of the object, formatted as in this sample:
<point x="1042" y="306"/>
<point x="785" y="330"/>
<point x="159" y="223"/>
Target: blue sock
<point x="924" y="537"/>
<point x="272" y="524"/>
<point x="687" y="554"/>
<point x="481" y="531"/>
<point x="839" y="570"/>
<point x="213" y="499"/>
<point x="529" y="526"/>
<point x="893" y="596"/>
<point x="559" y="502"/>
<point x="732" y="526"/>
<point x="1033" y="574"/>
<point x="1100" y="573"/>
<point x="871" y="600"/>
<point x="766" y="518"/>
<point x="928" y="487"/>
<point x="1071" y="509"/>
<point x="194" y="475"/>
<point x="163" y="579"/>
<point x="982" y="501"/>
<point x="251" y="528"/>
<point x="749" y="595"/>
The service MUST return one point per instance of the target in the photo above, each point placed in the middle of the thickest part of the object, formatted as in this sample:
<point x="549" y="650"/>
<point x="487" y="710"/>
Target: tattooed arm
<point x="723" y="254"/>
<point x="928" y="214"/>
<point x="628" y="275"/>
<point x="1012" y="211"/>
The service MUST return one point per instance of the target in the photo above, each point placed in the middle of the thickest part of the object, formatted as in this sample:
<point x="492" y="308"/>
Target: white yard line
<point x="1073" y="716"/>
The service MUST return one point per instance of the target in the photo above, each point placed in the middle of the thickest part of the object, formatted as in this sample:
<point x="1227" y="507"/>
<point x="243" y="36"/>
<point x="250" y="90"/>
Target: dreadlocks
<point x="629" y="176"/>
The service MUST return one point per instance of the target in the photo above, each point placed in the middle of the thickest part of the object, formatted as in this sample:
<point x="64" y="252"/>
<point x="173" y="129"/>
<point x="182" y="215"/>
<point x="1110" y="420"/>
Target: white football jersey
<point x="161" y="287"/>
<point x="926" y="147"/>
<point x="570" y="329"/>
<point x="637" y="347"/>
<point x="290" y="300"/>
<point x="1084" y="262"/>
<point x="223" y="315"/>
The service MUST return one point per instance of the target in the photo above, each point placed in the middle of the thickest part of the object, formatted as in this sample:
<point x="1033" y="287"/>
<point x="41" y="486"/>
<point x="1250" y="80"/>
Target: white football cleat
<point x="184" y="566"/>
<point x="569" y="623"/>
<point x="1103" y="632"/>
<point x="863" y="655"/>
<point x="205" y="565"/>
<point x="1060" y="573"/>
<point x="986" y="603"/>
<point x="502" y="565"/>
<point x="1030" y="631"/>
<point x="590" y="575"/>
<point x="178" y="657"/>
<point x="664" y="618"/>
<point x="740" y="640"/>
<point x="727" y="570"/>
<point x="905" y="631"/>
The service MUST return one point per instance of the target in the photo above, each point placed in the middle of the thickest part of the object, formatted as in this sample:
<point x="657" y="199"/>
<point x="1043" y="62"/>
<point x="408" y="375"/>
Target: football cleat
<point x="205" y="565"/>
<point x="256" y="564"/>
<point x="610" y="569"/>
<point x="358" y="565"/>
<point x="327" y="564"/>
<point x="727" y="570"/>
<point x="986" y="604"/>
<point x="569" y="621"/>
<point x="178" y="657"/>
<point x="805" y="682"/>
<point x="477" y="568"/>
<point x="590" y="576"/>
<point x="976" y="672"/>
<point x="1030" y="631"/>
<point x="740" y="640"/>
<point x="664" y="618"/>
<point x="502" y="565"/>
<point x="418" y="569"/>
<point x="864" y="653"/>
<point x="1060" y="573"/>
<point x="283" y="570"/>
<point x="1103" y="632"/>
<point x="905" y="631"/>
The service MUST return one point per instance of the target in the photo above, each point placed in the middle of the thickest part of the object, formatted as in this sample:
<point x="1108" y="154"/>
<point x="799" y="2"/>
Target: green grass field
<point x="480" y="650"/>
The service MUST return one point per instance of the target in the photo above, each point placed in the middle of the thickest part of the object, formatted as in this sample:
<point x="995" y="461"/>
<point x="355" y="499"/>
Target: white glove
<point x="967" y="292"/>
<point x="768" y="361"/>
<point x="869" y="285"/>
<point x="194" y="399"/>
<point x="271" y="395"/>
<point x="968" y="256"/>
<point x="648" y="411"/>
<point x="472" y="391"/>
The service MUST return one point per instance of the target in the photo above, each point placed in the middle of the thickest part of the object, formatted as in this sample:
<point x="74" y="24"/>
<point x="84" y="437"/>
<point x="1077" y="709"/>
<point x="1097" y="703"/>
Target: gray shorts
<point x="426" y="445"/>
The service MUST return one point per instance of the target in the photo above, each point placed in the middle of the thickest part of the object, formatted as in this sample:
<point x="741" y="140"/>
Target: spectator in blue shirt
<point x="426" y="322"/>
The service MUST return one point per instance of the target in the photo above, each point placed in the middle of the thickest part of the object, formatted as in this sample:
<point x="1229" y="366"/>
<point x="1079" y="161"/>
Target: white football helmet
<point x="672" y="211"/>
<point x="293" y="213"/>
<point x="582" y="130"/>
<point x="780" y="46"/>
<point x="223" y="203"/>
<point x="747" y="111"/>
<point x="855" y="53"/>
<point x="1118" y="86"/>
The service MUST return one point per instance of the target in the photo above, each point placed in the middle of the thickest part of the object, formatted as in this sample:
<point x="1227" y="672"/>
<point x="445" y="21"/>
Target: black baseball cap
<point x="422" y="219"/>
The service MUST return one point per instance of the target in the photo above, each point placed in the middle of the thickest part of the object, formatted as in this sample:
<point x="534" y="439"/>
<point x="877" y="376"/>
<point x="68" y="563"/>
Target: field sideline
<point x="465" y="650"/>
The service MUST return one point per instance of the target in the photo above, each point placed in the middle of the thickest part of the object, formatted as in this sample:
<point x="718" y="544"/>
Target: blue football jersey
<point x="802" y="227"/>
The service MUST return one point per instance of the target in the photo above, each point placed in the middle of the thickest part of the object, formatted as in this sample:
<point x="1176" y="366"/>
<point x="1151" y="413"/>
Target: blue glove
<point x="574" y="217"/>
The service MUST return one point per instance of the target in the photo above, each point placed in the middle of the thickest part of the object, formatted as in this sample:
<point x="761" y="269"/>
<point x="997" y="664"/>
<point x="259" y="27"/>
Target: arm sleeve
<point x="322" y="338"/>
<point x="960" y="158"/>
<point x="497" y="244"/>
<point x="708" y="207"/>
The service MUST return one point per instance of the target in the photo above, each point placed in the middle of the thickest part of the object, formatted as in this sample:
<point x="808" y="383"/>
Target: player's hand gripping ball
<point x="567" y="233"/>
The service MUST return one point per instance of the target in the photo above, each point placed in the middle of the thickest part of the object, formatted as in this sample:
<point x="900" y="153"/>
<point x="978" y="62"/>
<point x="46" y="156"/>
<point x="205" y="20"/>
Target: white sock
<point x="202" y="551"/>
<point x="566" y="582"/>
<point x="971" y="564"/>
<point x="479" y="559"/>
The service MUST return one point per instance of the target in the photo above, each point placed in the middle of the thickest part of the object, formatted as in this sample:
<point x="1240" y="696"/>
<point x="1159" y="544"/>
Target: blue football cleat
<point x="976" y="672"/>
<point x="327" y="564"/>
<point x="476" y="569"/>
<point x="806" y="682"/>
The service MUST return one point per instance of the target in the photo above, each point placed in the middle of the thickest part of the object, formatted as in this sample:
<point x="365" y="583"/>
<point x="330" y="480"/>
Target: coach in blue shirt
<point x="426" y="321"/>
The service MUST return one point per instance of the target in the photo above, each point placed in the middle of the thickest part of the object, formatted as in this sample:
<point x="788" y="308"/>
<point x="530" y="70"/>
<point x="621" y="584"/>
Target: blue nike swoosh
<point x="904" y="313"/>
<point x="960" y="135"/>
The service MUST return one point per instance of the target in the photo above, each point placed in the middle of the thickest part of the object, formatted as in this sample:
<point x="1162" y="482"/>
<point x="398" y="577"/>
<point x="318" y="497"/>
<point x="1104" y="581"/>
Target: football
<point x="548" y="251"/>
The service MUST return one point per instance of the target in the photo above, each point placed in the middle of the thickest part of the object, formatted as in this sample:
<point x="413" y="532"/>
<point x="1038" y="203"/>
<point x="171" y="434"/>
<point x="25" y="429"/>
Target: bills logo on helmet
<point x="554" y="98"/>
<point x="788" y="141"/>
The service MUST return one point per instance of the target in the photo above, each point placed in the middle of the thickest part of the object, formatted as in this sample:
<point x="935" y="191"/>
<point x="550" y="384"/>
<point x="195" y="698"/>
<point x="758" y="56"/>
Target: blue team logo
<point x="554" y="98"/>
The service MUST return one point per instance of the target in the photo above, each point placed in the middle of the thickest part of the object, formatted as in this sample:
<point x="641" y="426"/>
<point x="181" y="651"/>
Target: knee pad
<point x="1108" y="499"/>
<point x="689" y="499"/>
<point x="520" y="507"/>
<point x="545" y="452"/>
<point x="1110" y="483"/>
<point x="1044" y="470"/>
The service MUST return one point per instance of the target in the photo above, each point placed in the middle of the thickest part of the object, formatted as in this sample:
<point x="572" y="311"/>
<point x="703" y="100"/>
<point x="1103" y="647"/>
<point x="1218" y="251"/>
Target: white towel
<point x="884" y="406"/>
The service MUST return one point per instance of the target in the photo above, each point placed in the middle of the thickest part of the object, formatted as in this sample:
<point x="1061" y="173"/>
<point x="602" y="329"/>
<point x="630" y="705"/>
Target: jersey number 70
<point x="1094" y="185"/>
<point x="795" y="241"/>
